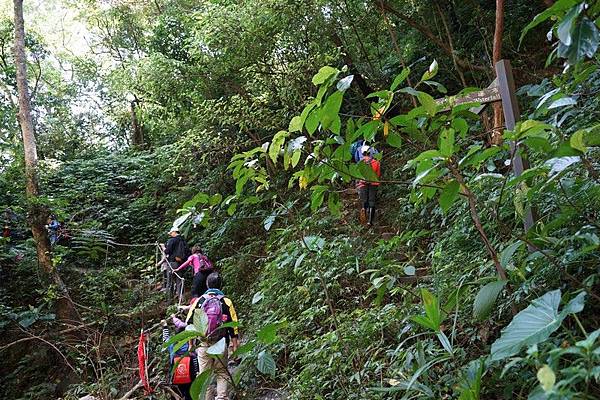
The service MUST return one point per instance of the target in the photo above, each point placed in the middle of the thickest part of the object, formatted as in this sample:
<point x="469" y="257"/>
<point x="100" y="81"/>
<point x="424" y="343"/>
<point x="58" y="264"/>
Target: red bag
<point x="182" y="373"/>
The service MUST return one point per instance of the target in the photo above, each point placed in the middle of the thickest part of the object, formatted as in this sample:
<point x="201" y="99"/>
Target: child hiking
<point x="202" y="269"/>
<point x="367" y="191"/>
<point x="187" y="363"/>
<point x="219" y="310"/>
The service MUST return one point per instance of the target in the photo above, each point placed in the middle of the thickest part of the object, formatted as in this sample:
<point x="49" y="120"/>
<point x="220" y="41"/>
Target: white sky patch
<point x="56" y="22"/>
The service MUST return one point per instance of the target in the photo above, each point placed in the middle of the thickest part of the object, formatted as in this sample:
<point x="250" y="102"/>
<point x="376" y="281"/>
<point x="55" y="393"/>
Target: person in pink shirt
<point x="202" y="267"/>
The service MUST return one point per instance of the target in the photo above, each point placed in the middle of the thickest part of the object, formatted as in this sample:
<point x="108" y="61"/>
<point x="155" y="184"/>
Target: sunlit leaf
<point x="344" y="83"/>
<point x="296" y="124"/>
<point x="547" y="378"/>
<point x="324" y="73"/>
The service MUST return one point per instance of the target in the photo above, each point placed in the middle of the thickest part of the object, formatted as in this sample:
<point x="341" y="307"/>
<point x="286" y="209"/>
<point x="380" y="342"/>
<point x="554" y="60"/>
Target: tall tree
<point x="496" y="137"/>
<point x="37" y="212"/>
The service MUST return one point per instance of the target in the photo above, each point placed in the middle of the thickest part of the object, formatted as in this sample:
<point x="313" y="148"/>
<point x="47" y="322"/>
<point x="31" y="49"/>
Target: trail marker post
<point x="501" y="89"/>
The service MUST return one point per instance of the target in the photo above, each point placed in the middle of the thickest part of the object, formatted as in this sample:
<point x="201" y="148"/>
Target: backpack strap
<point x="190" y="313"/>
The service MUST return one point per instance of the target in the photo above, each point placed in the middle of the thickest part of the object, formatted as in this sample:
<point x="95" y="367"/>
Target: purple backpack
<point x="214" y="313"/>
<point x="207" y="264"/>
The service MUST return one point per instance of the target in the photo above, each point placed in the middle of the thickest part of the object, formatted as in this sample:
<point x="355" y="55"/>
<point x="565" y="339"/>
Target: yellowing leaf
<point x="546" y="377"/>
<point x="577" y="141"/>
<point x="303" y="182"/>
<point x="380" y="111"/>
<point x="386" y="128"/>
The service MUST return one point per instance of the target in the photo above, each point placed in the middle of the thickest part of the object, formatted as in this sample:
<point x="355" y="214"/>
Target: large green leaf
<point x="330" y="109"/>
<point x="428" y="103"/>
<point x="312" y="121"/>
<point x="200" y="320"/>
<point x="265" y="363"/>
<point x="424" y="322"/>
<point x="268" y="333"/>
<point x="276" y="144"/>
<point x="394" y="140"/>
<point x="367" y="172"/>
<point x="447" y="142"/>
<point x="485" y="299"/>
<point x="181" y="337"/>
<point x="584" y="44"/>
<point x="556" y="8"/>
<point x="243" y="349"/>
<point x="324" y="73"/>
<point x="296" y="124"/>
<point x="367" y="131"/>
<point x="432" y="307"/>
<point x="433" y="314"/>
<point x="577" y="141"/>
<point x="200" y="385"/>
<point x="334" y="203"/>
<point x="316" y="198"/>
<point x="534" y="324"/>
<point x="400" y="78"/>
<point x="449" y="195"/>
<point x="565" y="27"/>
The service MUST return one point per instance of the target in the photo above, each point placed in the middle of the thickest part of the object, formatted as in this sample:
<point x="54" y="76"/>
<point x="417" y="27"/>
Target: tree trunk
<point x="496" y="136"/>
<point x="37" y="213"/>
<point x="137" y="137"/>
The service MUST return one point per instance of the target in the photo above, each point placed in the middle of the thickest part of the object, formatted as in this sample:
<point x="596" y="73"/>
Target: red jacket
<point x="376" y="166"/>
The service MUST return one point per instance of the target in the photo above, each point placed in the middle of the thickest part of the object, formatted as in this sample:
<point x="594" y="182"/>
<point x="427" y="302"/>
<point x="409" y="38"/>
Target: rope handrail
<point x="112" y="242"/>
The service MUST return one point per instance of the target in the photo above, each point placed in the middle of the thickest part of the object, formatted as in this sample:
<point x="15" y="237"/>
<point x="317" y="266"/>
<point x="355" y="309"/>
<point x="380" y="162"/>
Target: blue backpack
<point x="355" y="150"/>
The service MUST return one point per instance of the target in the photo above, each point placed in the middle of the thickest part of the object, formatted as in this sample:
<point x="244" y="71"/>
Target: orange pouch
<point x="182" y="373"/>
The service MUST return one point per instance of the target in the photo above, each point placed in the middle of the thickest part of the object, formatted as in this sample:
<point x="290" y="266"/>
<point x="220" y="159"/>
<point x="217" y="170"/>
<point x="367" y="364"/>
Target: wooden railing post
<point x="506" y="86"/>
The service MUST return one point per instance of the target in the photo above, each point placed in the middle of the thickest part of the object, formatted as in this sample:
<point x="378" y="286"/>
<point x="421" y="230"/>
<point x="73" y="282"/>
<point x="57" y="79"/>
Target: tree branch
<point x="430" y="35"/>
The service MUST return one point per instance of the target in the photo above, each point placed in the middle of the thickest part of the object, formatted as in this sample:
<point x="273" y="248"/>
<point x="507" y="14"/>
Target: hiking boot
<point x="371" y="216"/>
<point x="362" y="216"/>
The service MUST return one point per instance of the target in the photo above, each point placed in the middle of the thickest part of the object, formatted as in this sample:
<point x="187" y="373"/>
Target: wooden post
<point x="501" y="89"/>
<point x="506" y="86"/>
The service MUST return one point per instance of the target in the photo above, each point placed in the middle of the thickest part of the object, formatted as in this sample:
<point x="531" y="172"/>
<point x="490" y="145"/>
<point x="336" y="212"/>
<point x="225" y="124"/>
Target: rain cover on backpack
<point x="212" y="307"/>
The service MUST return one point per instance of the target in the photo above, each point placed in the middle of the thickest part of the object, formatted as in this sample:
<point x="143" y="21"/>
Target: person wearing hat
<point x="177" y="251"/>
<point x="367" y="191"/>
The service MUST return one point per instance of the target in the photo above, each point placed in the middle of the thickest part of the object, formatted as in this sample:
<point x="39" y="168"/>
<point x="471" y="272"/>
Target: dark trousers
<point x="368" y="196"/>
<point x="199" y="283"/>
<point x="171" y="283"/>
<point x="185" y="390"/>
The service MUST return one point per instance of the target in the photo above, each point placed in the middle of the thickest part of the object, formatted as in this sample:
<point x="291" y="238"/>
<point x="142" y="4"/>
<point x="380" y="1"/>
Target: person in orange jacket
<point x="367" y="191"/>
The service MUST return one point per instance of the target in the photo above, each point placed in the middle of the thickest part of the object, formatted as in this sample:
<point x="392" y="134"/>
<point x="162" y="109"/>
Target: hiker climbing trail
<point x="286" y="199"/>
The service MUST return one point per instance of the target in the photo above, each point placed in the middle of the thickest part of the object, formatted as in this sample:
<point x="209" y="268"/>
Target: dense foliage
<point x="236" y="120"/>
